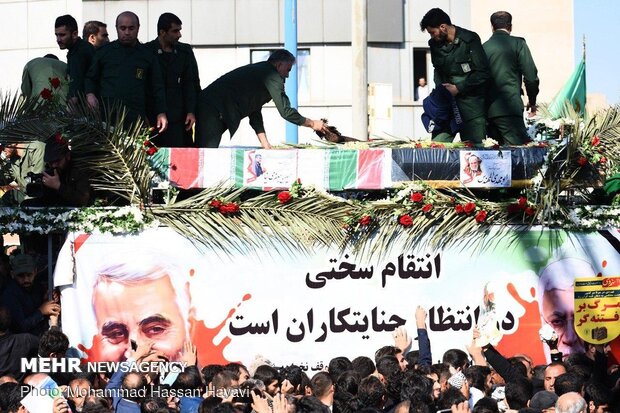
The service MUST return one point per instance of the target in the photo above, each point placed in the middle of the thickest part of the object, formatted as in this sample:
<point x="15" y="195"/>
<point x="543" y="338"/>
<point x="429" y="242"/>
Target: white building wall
<point x="28" y="32"/>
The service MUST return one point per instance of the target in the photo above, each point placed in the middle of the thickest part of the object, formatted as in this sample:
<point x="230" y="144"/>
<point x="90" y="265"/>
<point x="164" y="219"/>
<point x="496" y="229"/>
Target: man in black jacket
<point x="14" y="347"/>
<point x="182" y="84"/>
<point x="79" y="56"/>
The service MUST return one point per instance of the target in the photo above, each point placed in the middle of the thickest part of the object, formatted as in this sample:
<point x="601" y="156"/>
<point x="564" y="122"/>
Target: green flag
<point x="573" y="91"/>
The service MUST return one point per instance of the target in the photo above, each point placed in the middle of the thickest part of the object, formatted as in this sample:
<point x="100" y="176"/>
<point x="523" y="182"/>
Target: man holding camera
<point x="24" y="159"/>
<point x="60" y="184"/>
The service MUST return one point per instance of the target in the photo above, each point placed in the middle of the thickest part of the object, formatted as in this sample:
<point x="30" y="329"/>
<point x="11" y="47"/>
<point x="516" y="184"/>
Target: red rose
<point x="530" y="211"/>
<point x="55" y="82"/>
<point x="427" y="208"/>
<point x="299" y="181"/>
<point x="59" y="139"/>
<point x="603" y="160"/>
<point x="468" y="144"/>
<point x="481" y="216"/>
<point x="229" y="208"/>
<point x="595" y="140"/>
<point x="582" y="161"/>
<point x="147" y="143"/>
<point x="151" y="151"/>
<point x="459" y="209"/>
<point x="416" y="197"/>
<point x="234" y="208"/>
<point x="418" y="145"/>
<point x="284" y="197"/>
<point x="215" y="204"/>
<point x="522" y="202"/>
<point x="469" y="207"/>
<point x="513" y="208"/>
<point x="365" y="220"/>
<point x="405" y="220"/>
<point x="46" y="94"/>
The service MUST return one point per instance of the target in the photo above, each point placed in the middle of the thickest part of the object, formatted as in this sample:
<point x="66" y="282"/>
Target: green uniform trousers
<point x="474" y="130"/>
<point x="508" y="130"/>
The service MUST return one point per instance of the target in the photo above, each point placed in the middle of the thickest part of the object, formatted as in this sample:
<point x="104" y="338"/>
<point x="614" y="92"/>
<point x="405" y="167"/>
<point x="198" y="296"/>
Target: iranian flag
<point x="329" y="169"/>
<point x="337" y="170"/>
<point x="195" y="168"/>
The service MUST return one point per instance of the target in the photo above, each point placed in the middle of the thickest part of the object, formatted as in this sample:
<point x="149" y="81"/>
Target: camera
<point x="34" y="186"/>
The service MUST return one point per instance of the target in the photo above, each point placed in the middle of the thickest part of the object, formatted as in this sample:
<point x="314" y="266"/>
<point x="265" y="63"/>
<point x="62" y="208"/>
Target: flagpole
<point x="584" y="47"/>
<point x="585" y="101"/>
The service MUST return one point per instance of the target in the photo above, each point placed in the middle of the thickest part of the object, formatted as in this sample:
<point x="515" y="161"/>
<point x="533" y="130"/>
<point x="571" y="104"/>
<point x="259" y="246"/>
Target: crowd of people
<point x="393" y="379"/>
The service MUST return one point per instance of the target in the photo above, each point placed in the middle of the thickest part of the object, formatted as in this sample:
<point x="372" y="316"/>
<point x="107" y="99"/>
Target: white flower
<point x="119" y="213"/>
<point x="573" y="215"/>
<point x="489" y="142"/>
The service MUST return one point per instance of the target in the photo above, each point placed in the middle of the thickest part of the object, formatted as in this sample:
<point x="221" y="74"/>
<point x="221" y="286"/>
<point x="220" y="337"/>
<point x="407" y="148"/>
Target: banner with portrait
<point x="293" y="308"/>
<point x="485" y="169"/>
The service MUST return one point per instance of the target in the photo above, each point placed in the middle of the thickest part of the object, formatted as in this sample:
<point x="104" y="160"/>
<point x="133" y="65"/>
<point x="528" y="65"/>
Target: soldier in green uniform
<point x="123" y="71"/>
<point x="79" y="56"/>
<point x="179" y="70"/>
<point x="243" y="92"/>
<point x="24" y="159"/>
<point x="461" y="66"/>
<point x="511" y="64"/>
<point x="38" y="73"/>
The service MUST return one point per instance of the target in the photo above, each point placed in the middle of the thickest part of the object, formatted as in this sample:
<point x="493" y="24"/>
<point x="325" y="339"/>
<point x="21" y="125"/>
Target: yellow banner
<point x="597" y="309"/>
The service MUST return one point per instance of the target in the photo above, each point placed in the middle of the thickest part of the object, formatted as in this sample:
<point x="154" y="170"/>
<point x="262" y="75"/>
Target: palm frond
<point x="111" y="154"/>
<point x="25" y="120"/>
<point x="298" y="226"/>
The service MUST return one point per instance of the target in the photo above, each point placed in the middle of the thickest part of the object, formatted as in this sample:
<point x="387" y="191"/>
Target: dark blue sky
<point x="596" y="19"/>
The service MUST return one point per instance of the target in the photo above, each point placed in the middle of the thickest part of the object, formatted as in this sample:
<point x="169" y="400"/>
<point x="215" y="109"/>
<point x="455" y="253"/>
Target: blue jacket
<point x="441" y="114"/>
<point x="190" y="404"/>
<point x="120" y="405"/>
<point x="424" y="347"/>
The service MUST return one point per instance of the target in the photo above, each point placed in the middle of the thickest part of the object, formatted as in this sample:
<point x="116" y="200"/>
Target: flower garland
<point x="123" y="220"/>
<point x="129" y="219"/>
<point x="594" y="217"/>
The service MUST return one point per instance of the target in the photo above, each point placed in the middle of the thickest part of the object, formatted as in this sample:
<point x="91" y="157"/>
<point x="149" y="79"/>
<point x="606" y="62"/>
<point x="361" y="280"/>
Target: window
<point x="420" y="70"/>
